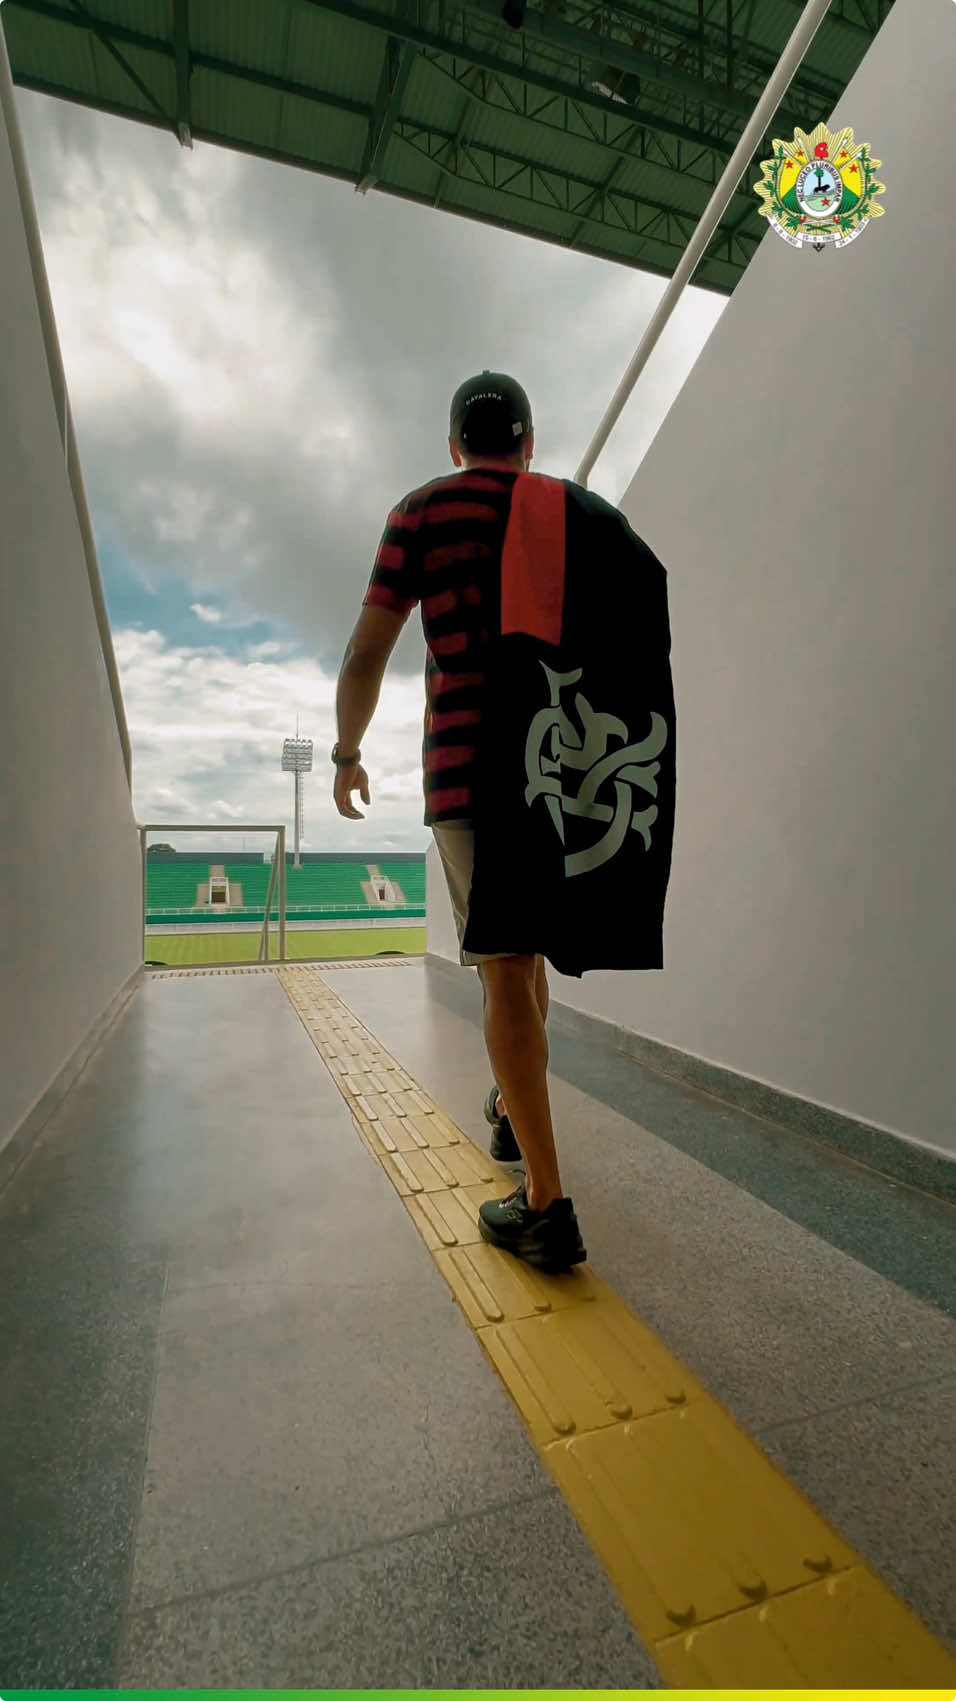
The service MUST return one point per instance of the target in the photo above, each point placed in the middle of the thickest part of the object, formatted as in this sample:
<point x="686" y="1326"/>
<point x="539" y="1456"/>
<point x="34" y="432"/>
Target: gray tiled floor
<point x="495" y="1599"/>
<point x="269" y="1449"/>
<point x="884" y="1468"/>
<point x="296" y="1422"/>
<point x="253" y="1442"/>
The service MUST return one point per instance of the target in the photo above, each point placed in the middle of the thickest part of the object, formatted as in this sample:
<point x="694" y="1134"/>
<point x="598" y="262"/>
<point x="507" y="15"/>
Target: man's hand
<point x="348" y="778"/>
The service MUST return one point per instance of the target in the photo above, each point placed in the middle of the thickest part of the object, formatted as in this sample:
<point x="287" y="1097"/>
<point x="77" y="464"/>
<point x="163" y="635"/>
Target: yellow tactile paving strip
<point x="325" y="963"/>
<point x="730" y="1576"/>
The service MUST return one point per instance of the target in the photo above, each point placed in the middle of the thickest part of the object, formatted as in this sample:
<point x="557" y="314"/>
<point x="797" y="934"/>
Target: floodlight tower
<point x="297" y="760"/>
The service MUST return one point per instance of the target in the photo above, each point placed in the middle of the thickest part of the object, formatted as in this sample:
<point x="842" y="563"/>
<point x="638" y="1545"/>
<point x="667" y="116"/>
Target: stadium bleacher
<point x="409" y="876"/>
<point x="174" y="886"/>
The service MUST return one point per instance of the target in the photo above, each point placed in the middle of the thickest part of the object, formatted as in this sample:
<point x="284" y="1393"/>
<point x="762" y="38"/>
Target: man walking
<point x="483" y="551"/>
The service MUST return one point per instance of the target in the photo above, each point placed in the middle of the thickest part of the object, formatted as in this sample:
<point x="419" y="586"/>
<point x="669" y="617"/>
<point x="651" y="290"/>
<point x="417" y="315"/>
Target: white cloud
<point x="260" y="364"/>
<point x="219" y="723"/>
<point x="270" y="648"/>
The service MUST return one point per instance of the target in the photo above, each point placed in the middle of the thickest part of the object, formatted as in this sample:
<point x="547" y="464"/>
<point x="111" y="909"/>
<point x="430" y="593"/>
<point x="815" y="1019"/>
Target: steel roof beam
<point x="675" y="21"/>
<point x="446" y="139"/>
<point x="651" y="135"/>
<point x="606" y="50"/>
<point x="360" y="109"/>
<point x="761" y="61"/>
<point x="198" y="62"/>
<point x="285" y="158"/>
<point x="438" y="141"/>
<point x="599" y="195"/>
<point x="457" y="141"/>
<point x="840" y="19"/>
<point x="501" y="68"/>
<point x="181" y="37"/>
<point x="84" y="20"/>
<point x="399" y="59"/>
<point x="577" y="41"/>
<point x="576" y="94"/>
<point x="579" y="94"/>
<point x="383" y="116"/>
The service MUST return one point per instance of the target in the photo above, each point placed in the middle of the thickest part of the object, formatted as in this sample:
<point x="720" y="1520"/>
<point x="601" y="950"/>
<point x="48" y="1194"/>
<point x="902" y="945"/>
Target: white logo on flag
<point x="622" y="768"/>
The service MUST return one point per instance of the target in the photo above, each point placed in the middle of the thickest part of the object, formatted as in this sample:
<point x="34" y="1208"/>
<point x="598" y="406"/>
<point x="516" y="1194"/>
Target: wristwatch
<point x="344" y="761"/>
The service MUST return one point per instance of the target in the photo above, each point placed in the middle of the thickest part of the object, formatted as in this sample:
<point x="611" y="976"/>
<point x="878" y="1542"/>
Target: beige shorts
<point x="456" y="847"/>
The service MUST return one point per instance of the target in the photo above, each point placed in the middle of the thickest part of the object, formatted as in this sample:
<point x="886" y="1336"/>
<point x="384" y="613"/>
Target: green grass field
<point x="180" y="950"/>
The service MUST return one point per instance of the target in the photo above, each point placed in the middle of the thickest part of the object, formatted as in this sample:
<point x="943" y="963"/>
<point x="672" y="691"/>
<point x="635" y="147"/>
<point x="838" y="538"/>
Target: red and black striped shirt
<point x="442" y="547"/>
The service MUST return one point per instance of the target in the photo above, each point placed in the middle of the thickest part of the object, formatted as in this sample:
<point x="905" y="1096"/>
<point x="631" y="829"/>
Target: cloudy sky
<point x="260" y="363"/>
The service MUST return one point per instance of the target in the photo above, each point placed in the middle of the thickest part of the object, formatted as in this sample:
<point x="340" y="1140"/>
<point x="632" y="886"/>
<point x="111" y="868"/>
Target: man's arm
<point x="392" y="594"/>
<point x="360" y="677"/>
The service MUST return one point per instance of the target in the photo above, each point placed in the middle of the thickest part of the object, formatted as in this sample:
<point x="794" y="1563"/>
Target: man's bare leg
<point x="518" y="1048"/>
<point x="541" y="993"/>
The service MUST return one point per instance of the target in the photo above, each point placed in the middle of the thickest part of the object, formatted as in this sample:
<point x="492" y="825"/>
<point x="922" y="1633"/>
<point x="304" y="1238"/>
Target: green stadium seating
<point x="410" y="876"/>
<point x="173" y="885"/>
<point x="318" y="885"/>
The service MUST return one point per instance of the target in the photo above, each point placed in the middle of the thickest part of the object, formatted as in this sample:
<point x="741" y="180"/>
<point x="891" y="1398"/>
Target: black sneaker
<point x="504" y="1146"/>
<point x="550" y="1240"/>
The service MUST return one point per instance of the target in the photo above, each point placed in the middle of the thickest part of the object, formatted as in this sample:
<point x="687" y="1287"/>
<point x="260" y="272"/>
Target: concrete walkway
<point x="249" y="1439"/>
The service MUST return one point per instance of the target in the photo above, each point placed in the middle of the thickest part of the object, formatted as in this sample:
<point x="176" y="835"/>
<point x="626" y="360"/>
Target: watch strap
<point x="344" y="761"/>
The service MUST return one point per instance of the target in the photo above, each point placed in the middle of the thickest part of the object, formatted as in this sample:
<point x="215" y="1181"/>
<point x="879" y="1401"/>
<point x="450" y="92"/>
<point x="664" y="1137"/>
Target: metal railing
<point x="61" y="399"/>
<point x="787" y="65"/>
<point x="278" y="863"/>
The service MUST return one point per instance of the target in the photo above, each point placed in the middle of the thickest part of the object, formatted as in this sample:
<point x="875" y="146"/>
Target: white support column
<point x="813" y="15"/>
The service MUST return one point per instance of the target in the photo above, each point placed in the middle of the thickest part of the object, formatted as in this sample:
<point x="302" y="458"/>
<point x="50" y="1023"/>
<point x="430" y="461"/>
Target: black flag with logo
<point x="576" y="769"/>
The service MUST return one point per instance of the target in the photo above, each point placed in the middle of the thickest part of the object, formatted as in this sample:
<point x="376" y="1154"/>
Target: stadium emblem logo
<point x="820" y="188"/>
<point x="601" y="766"/>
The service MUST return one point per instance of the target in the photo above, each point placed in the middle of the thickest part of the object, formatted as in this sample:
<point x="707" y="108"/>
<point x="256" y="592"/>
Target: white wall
<point x="70" y="869"/>
<point x="810" y="932"/>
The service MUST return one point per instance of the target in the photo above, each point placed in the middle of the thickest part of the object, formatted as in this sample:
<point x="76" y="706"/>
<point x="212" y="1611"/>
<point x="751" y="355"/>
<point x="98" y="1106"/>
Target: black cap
<point x="490" y="414"/>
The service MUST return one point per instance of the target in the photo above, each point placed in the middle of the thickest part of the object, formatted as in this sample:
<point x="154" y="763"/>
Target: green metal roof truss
<point x="599" y="127"/>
